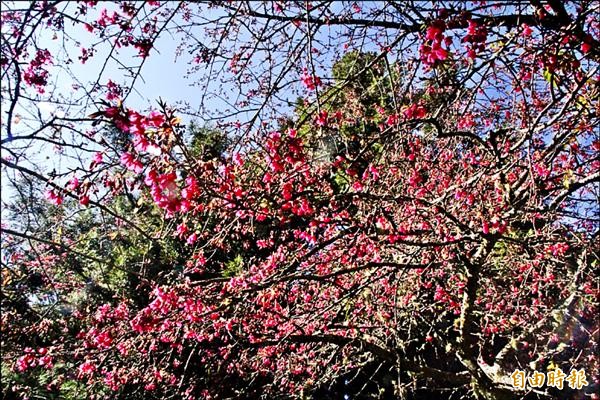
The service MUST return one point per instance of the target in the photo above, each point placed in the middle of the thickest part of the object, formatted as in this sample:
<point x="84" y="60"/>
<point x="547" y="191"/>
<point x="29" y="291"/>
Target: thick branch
<point x="455" y="379"/>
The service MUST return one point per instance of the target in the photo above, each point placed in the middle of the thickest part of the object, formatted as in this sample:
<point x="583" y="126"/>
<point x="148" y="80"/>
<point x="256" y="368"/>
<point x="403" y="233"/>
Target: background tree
<point x="446" y="237"/>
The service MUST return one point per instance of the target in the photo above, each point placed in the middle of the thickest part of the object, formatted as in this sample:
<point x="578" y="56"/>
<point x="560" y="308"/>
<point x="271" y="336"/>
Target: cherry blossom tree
<point x="376" y="200"/>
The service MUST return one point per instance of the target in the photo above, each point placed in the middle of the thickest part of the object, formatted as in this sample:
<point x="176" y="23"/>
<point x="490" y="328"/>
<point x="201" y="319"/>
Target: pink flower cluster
<point x="86" y="369"/>
<point x="432" y="52"/>
<point x="310" y="81"/>
<point x="75" y="186"/>
<point x="137" y="125"/>
<point x="143" y="47"/>
<point x="415" y="111"/>
<point x="321" y="119"/>
<point x="113" y="91"/>
<point x="54" y="197"/>
<point x="164" y="190"/>
<point x="132" y="163"/>
<point x="35" y="74"/>
<point x="476" y="37"/>
<point x="31" y="359"/>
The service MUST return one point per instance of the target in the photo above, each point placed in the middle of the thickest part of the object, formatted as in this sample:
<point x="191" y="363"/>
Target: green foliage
<point x="362" y="85"/>
<point x="361" y="68"/>
<point x="233" y="267"/>
<point x="42" y="383"/>
<point x="205" y="142"/>
<point x="341" y="181"/>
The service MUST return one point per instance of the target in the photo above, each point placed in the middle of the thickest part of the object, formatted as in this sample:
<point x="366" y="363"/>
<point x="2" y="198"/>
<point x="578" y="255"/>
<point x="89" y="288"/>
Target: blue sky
<point x="162" y="77"/>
